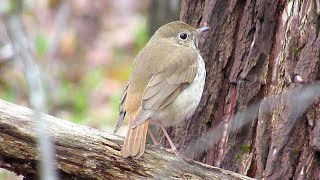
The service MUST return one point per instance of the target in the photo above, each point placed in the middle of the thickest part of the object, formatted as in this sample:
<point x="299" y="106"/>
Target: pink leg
<point x="173" y="148"/>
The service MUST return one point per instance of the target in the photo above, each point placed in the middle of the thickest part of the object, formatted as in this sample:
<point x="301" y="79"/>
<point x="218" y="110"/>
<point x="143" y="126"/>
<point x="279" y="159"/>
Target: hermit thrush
<point x="165" y="86"/>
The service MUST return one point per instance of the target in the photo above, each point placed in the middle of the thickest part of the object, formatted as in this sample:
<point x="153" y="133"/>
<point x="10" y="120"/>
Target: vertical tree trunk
<point x="256" y="49"/>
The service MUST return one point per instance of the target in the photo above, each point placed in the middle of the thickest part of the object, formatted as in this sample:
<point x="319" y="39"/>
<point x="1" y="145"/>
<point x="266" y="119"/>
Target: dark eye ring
<point x="183" y="36"/>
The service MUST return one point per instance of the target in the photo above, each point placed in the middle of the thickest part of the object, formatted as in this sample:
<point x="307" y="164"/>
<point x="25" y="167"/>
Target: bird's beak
<point x="200" y="30"/>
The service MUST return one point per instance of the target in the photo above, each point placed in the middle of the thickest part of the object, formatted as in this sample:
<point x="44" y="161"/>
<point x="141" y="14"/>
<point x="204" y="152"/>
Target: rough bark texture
<point x="256" y="49"/>
<point x="85" y="153"/>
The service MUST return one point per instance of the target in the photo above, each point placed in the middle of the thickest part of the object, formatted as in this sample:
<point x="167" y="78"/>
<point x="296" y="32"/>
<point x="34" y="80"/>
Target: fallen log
<point x="86" y="153"/>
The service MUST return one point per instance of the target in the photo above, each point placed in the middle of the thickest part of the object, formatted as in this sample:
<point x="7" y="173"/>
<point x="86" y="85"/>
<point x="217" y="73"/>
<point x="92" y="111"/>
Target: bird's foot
<point x="173" y="151"/>
<point x="157" y="146"/>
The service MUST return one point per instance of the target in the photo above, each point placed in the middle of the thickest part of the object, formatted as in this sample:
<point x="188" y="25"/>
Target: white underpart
<point x="186" y="102"/>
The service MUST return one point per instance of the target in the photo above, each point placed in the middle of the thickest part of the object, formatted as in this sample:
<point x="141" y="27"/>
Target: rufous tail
<point x="135" y="140"/>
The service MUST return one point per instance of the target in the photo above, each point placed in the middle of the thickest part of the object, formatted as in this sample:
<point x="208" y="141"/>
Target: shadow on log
<point x="87" y="153"/>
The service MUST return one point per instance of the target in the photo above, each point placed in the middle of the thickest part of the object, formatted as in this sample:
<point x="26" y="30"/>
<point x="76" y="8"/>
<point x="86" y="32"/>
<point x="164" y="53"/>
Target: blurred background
<point x="85" y="50"/>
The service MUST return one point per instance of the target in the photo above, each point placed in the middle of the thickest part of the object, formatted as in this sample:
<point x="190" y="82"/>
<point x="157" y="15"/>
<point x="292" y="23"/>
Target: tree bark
<point x="86" y="153"/>
<point x="256" y="49"/>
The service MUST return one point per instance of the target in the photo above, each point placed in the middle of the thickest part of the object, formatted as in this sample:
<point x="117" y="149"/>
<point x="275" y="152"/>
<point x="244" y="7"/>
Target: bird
<point x="165" y="85"/>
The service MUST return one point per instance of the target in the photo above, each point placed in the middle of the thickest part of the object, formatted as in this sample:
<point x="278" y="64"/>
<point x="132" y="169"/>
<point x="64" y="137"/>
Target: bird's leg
<point x="155" y="142"/>
<point x="173" y="148"/>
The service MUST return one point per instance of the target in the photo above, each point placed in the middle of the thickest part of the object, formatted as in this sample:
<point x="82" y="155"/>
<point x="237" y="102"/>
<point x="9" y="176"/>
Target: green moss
<point x="238" y="157"/>
<point x="245" y="148"/>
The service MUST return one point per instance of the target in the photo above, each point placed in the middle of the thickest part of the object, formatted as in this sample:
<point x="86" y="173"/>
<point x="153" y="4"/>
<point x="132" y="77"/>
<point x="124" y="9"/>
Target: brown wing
<point x="122" y="111"/>
<point x="166" y="85"/>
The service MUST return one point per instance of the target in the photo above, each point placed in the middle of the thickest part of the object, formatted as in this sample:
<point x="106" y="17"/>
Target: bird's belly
<point x="186" y="102"/>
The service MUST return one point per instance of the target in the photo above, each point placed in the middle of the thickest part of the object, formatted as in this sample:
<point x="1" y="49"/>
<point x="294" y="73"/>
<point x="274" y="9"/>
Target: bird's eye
<point x="183" y="36"/>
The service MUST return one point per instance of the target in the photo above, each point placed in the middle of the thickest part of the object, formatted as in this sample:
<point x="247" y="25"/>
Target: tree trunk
<point x="260" y="57"/>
